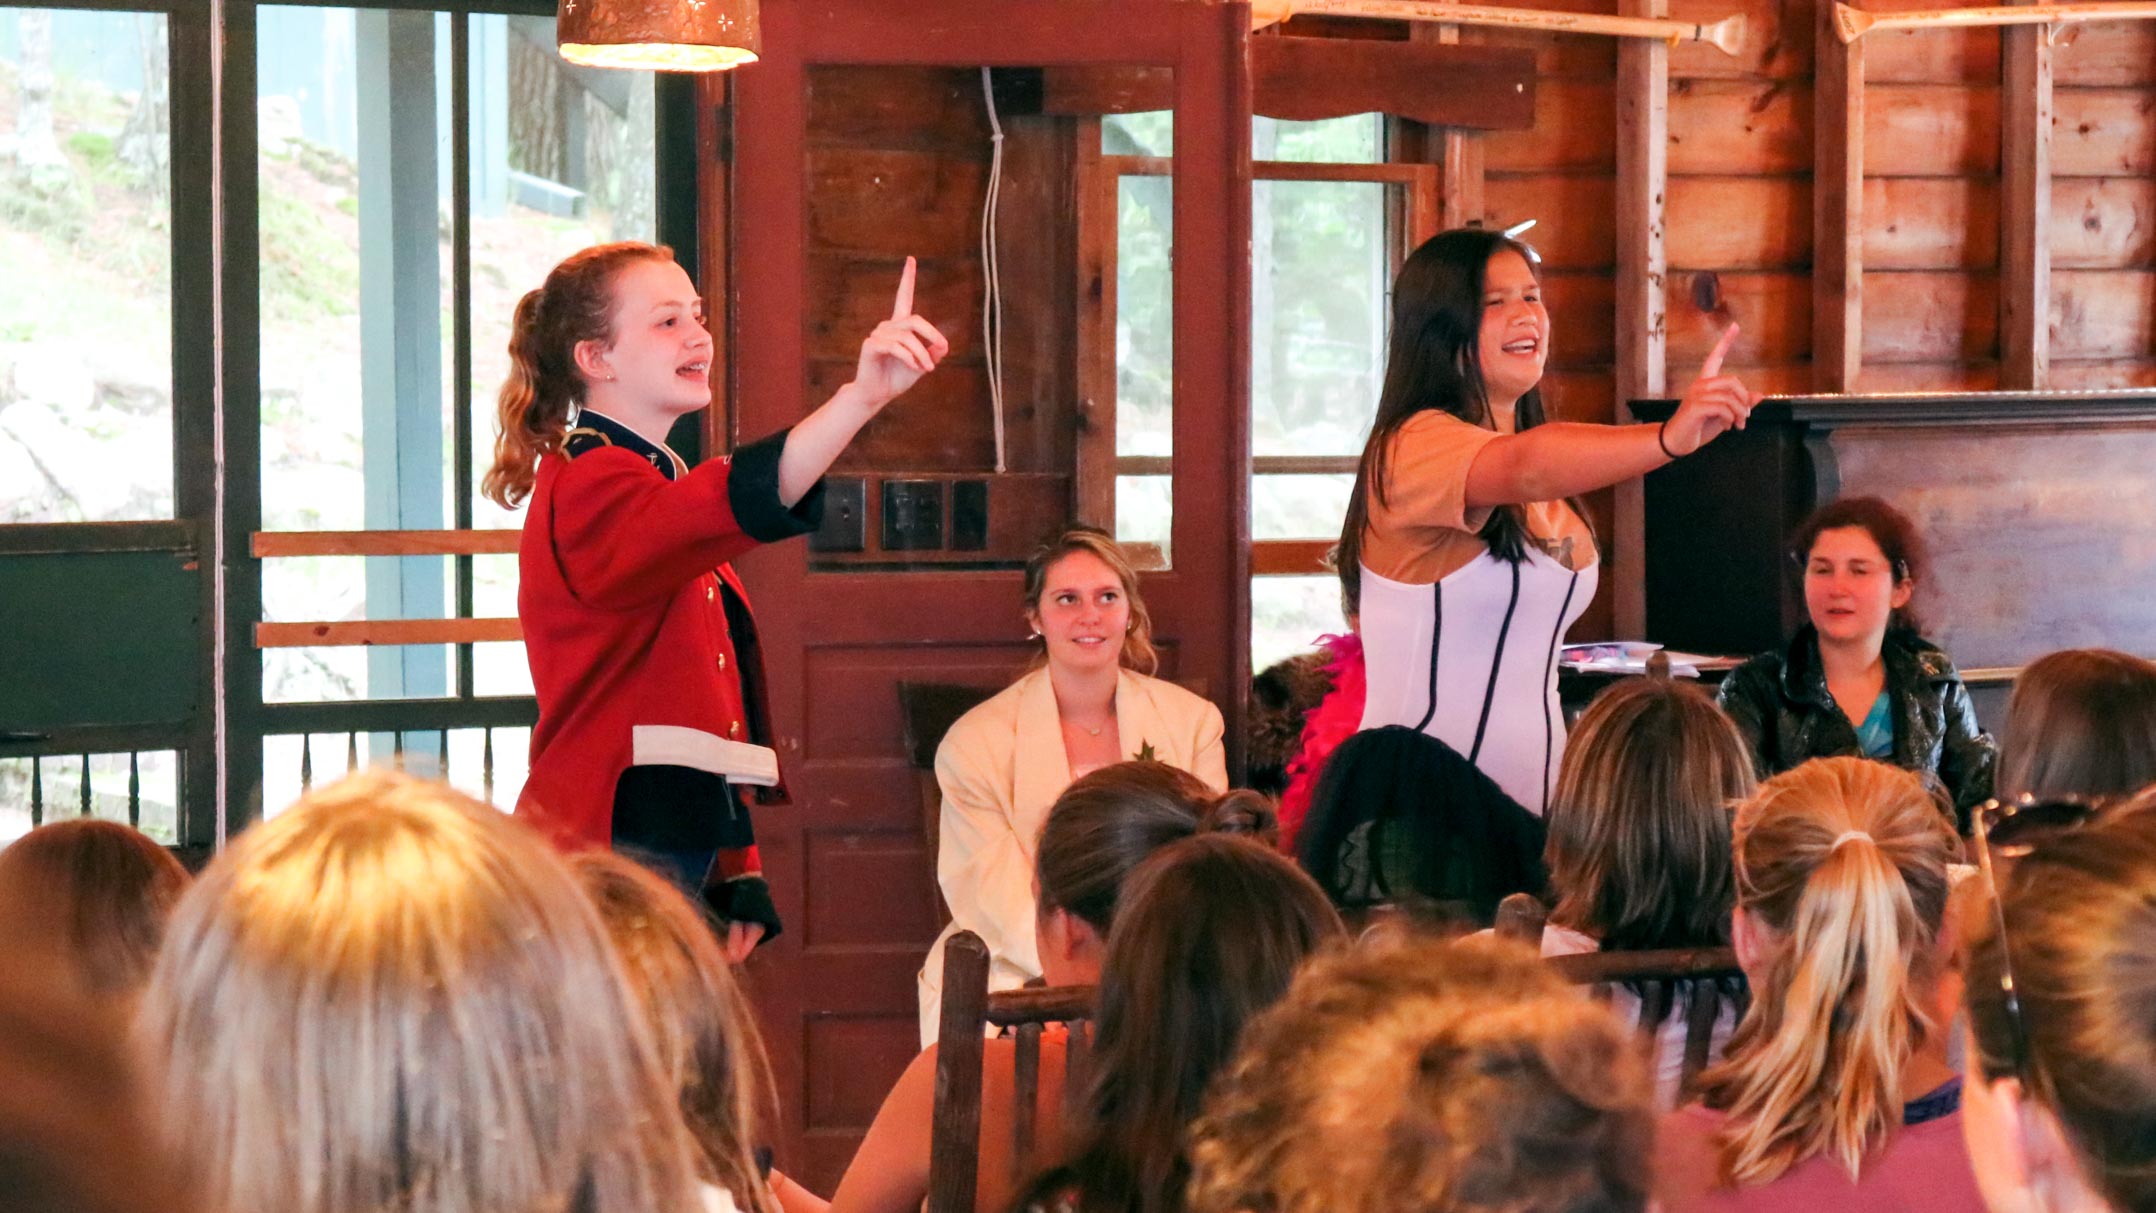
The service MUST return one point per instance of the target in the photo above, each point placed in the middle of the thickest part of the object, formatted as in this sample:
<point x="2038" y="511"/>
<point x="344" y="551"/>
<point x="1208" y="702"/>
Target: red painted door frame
<point x="806" y="985"/>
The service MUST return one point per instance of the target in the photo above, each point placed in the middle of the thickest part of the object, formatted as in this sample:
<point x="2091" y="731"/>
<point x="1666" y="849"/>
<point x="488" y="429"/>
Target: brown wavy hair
<point x="1844" y="861"/>
<point x="700" y="1019"/>
<point x="2081" y="923"/>
<point x="1413" y="1075"/>
<point x="1898" y="539"/>
<point x="2082" y="722"/>
<point x="1210" y="932"/>
<point x="1138" y="651"/>
<point x="531" y="416"/>
<point x="103" y="892"/>
<point x="1108" y="822"/>
<point x="1639" y="840"/>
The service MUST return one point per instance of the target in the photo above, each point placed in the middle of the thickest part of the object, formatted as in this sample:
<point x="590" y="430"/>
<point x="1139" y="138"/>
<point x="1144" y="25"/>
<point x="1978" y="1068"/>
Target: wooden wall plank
<point x="1740" y="223"/>
<point x="1921" y="223"/>
<point x="850" y="295"/>
<point x="1575" y="129"/>
<point x="895" y="203"/>
<point x="1930" y="56"/>
<point x="2106" y="54"/>
<point x="1929" y="377"/>
<point x="2105" y="373"/>
<point x="1739" y="127"/>
<point x="2104" y="132"/>
<point x="1838" y="139"/>
<point x="1583" y="319"/>
<point x="1931" y="130"/>
<point x="1772" y="308"/>
<point x="897" y="108"/>
<point x="2102" y="223"/>
<point x="1642" y="188"/>
<point x="2025" y="208"/>
<point x="942" y="425"/>
<point x="1777" y="41"/>
<point x="2100" y="314"/>
<point x="1933" y="316"/>
<point x="1577" y="228"/>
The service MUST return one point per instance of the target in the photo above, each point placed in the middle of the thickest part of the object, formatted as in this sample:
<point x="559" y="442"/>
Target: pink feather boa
<point x="1334" y="720"/>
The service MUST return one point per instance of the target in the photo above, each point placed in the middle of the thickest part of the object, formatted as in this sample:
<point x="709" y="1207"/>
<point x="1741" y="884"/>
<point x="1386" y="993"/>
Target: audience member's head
<point x="1400" y="818"/>
<point x="73" y="1134"/>
<point x="1428" y="1078"/>
<point x="2082" y="722"/>
<point x="1841" y="891"/>
<point x="104" y="893"/>
<point x="1098" y="831"/>
<point x="393" y="997"/>
<point x="1079" y="584"/>
<point x="701" y="1022"/>
<point x="1639" y="850"/>
<point x="2060" y="1110"/>
<point x="1210" y="932"/>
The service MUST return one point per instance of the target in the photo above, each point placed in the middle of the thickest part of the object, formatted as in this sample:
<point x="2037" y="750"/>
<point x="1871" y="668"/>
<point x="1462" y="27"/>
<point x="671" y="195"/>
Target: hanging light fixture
<point x="659" y="35"/>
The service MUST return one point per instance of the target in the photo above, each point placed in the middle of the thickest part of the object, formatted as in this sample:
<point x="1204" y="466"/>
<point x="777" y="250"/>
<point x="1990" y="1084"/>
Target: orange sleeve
<point x="1426" y="477"/>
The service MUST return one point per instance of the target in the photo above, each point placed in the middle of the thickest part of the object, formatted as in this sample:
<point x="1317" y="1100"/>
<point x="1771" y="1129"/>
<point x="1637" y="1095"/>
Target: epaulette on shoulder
<point x="584" y="439"/>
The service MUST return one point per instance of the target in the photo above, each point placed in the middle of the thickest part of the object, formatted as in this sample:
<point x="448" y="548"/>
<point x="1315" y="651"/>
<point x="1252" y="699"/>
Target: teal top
<point x="1875" y="735"/>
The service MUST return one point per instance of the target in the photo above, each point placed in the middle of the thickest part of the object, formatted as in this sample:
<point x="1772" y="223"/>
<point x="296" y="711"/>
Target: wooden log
<point x="352" y="632"/>
<point x="2102" y="223"/>
<point x="1839" y="135"/>
<point x="1931" y="316"/>
<point x="1931" y="223"/>
<point x="1940" y="130"/>
<point x="2103" y="314"/>
<point x="1739" y="223"/>
<point x="2025" y="211"/>
<point x="269" y="545"/>
<point x="1740" y="128"/>
<point x="1577" y="228"/>
<point x="2104" y="132"/>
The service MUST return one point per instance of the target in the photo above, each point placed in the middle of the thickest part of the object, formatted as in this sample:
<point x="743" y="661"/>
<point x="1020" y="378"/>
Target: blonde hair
<point x="1844" y="860"/>
<point x="700" y="1020"/>
<point x="1639" y="844"/>
<point x="1418" y="1076"/>
<point x="1138" y="652"/>
<point x="392" y="997"/>
<point x="104" y="892"/>
<point x="531" y="416"/>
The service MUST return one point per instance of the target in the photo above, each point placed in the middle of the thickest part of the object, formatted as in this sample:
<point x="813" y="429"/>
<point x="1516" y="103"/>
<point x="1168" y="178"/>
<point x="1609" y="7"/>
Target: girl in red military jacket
<point x="652" y="726"/>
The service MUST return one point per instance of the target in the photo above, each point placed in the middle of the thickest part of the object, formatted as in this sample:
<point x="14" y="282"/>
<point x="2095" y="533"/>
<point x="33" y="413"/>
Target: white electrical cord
<point x="992" y="299"/>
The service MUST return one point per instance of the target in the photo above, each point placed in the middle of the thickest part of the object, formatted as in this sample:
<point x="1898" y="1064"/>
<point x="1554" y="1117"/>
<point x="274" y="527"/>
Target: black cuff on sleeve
<point x="744" y="899"/>
<point x="752" y="489"/>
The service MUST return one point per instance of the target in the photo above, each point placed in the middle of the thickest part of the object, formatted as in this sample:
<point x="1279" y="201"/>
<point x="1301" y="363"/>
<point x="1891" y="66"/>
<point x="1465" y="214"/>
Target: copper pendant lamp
<point x="659" y="35"/>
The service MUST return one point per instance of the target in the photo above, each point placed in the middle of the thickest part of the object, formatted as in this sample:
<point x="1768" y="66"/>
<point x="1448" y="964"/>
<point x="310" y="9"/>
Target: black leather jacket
<point x="1782" y="706"/>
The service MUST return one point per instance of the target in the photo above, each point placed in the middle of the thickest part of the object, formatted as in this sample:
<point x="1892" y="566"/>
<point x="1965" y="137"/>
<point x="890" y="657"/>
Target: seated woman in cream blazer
<point x="1004" y="763"/>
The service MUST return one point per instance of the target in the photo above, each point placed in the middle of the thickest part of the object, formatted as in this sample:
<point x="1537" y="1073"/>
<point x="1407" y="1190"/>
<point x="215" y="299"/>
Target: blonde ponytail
<point x="1843" y="862"/>
<point x="531" y="415"/>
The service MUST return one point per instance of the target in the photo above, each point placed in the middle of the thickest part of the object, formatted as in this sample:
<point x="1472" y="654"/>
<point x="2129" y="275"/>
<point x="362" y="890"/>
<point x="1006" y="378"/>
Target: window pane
<point x="146" y="794"/>
<point x="1151" y="133"/>
<point x="1299" y="507"/>
<point x="1355" y="139"/>
<point x="1288" y="614"/>
<point x="86" y="251"/>
<point x="1319" y="276"/>
<point x="1142" y="517"/>
<point x="488" y="764"/>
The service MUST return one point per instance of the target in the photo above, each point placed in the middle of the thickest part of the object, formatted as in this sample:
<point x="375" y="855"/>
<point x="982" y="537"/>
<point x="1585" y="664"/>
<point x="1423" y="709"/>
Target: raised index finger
<point x="1713" y="365"/>
<point x="904" y="307"/>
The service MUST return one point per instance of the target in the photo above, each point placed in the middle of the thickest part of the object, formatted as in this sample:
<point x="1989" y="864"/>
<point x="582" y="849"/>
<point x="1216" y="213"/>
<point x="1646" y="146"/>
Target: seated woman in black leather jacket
<point x="1859" y="679"/>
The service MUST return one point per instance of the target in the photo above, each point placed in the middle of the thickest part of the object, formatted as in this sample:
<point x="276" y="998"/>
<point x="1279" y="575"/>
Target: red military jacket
<point x="624" y="595"/>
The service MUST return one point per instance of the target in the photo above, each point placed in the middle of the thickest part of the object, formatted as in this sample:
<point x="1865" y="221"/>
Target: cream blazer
<point x="1000" y="768"/>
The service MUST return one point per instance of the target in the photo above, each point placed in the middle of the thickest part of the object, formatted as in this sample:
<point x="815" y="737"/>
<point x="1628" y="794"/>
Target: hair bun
<point x="1242" y="812"/>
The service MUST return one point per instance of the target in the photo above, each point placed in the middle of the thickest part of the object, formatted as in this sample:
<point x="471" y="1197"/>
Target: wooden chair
<point x="927" y="710"/>
<point x="1697" y="981"/>
<point x="968" y="1009"/>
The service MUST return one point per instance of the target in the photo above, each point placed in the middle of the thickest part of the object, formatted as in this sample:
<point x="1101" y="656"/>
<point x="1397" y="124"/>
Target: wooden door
<point x="841" y="629"/>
